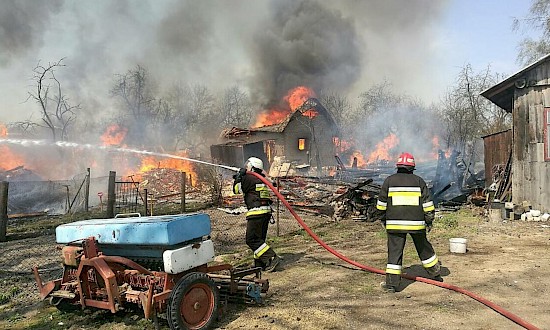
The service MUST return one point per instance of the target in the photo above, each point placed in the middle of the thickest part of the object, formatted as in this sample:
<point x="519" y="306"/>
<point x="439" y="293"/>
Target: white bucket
<point x="458" y="245"/>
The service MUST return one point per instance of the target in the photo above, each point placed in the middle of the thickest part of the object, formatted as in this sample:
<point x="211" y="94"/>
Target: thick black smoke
<point x="304" y="43"/>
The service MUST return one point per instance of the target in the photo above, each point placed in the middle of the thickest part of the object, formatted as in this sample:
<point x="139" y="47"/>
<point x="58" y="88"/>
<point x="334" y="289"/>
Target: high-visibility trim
<point x="237" y="188"/>
<point x="430" y="262"/>
<point x="394" y="189"/>
<point x="428" y="206"/>
<point x="405" y="195"/>
<point x="381" y="205"/>
<point x="259" y="210"/>
<point x="393" y="269"/>
<point x="263" y="190"/>
<point x="406" y="224"/>
<point x="261" y="250"/>
<point x="405" y="200"/>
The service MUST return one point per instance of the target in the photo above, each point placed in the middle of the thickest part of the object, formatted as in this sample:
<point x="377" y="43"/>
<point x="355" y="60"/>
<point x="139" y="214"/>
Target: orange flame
<point x="436" y="147"/>
<point x="9" y="160"/>
<point x="270" y="117"/>
<point x="297" y="96"/>
<point x="114" y="135"/>
<point x="360" y="159"/>
<point x="292" y="100"/>
<point x="383" y="149"/>
<point x="149" y="163"/>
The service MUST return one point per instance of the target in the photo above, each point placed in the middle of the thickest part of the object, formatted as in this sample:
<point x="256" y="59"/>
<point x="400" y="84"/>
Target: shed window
<point x="547" y="134"/>
<point x="301" y="144"/>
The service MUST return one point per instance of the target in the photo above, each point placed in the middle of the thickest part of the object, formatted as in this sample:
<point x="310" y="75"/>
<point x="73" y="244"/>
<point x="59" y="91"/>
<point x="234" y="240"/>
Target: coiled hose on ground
<point x="482" y="300"/>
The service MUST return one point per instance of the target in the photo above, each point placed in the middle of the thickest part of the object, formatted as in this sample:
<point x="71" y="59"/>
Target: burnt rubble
<point x="352" y="192"/>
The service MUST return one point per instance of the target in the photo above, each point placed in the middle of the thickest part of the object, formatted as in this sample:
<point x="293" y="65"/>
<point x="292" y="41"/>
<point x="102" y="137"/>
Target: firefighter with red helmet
<point x="405" y="207"/>
<point x="258" y="202"/>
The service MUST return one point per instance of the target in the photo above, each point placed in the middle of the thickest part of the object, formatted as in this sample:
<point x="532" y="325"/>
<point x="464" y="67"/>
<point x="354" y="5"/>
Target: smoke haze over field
<point x="266" y="47"/>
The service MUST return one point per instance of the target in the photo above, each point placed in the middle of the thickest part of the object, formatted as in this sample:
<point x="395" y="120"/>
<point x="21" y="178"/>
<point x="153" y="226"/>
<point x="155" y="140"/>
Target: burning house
<point x="526" y="95"/>
<point x="305" y="136"/>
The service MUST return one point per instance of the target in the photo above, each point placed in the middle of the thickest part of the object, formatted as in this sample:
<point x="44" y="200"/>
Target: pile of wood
<point x="502" y="180"/>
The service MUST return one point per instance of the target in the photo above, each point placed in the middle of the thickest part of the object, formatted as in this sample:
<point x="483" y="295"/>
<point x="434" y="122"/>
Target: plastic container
<point x="458" y="245"/>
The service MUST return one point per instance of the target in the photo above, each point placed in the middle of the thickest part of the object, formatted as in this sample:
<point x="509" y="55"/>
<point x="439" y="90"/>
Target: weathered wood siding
<point x="318" y="133"/>
<point x="497" y="148"/>
<point x="530" y="172"/>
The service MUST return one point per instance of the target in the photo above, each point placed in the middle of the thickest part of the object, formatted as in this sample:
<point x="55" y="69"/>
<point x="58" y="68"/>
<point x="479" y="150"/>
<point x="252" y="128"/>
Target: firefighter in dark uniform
<point x="258" y="202"/>
<point x="405" y="207"/>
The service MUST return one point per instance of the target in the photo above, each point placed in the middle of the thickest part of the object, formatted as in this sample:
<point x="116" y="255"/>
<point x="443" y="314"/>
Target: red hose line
<point x="472" y="295"/>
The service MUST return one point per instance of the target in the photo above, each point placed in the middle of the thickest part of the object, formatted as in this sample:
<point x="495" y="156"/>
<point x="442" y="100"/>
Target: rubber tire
<point x="194" y="290"/>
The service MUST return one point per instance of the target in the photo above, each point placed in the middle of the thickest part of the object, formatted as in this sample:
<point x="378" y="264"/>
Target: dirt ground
<point x="507" y="262"/>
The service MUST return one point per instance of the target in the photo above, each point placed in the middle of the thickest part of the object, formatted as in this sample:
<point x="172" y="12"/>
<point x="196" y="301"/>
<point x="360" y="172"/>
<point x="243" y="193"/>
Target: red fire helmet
<point x="405" y="159"/>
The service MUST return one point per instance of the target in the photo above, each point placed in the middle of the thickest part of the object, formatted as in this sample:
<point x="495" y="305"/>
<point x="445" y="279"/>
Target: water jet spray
<point x="66" y="144"/>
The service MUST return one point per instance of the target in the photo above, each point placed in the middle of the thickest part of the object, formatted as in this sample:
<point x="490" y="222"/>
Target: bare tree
<point x="235" y="108"/>
<point x="538" y="19"/>
<point x="135" y="90"/>
<point x="379" y="97"/>
<point x="467" y="114"/>
<point x="188" y="112"/>
<point x="338" y="106"/>
<point x="57" y="114"/>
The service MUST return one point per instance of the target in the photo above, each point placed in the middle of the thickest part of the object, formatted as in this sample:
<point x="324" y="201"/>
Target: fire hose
<point x="472" y="295"/>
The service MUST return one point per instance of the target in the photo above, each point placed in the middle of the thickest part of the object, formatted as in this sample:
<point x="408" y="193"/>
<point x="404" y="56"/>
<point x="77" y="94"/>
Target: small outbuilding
<point x="526" y="95"/>
<point x="305" y="136"/>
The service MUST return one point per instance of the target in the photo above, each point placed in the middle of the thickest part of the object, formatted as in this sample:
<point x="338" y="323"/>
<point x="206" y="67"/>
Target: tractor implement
<point x="157" y="263"/>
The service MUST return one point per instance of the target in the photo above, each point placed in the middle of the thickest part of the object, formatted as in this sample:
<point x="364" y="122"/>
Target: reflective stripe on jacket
<point x="256" y="195"/>
<point x="405" y="200"/>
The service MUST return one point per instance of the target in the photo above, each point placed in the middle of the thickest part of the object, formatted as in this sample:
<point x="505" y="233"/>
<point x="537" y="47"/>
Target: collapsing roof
<point x="309" y="104"/>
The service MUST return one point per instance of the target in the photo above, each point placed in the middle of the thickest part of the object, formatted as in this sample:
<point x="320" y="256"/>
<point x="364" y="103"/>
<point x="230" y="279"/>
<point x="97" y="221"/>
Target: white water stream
<point x="65" y="144"/>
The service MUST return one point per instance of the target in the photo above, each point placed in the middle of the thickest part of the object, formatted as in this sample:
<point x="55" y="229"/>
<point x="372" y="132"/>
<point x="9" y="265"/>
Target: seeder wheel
<point x="193" y="303"/>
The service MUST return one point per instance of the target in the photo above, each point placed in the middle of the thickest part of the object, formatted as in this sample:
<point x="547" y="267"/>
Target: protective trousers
<point x="396" y="244"/>
<point x="256" y="234"/>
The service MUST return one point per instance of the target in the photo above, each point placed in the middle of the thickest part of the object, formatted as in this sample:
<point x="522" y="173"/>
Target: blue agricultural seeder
<point x="158" y="263"/>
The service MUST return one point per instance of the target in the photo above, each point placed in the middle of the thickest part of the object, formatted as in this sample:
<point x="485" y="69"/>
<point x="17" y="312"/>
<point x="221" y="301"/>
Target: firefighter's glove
<point x="239" y="176"/>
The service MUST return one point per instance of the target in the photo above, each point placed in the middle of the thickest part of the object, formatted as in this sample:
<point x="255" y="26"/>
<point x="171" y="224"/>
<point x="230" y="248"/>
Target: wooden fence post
<point x="87" y="191"/>
<point x="183" y="192"/>
<point x="111" y="195"/>
<point x="3" y="209"/>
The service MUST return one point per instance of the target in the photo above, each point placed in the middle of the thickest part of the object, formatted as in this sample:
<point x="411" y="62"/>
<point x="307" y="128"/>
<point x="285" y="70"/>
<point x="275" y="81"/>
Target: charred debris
<point x="352" y="191"/>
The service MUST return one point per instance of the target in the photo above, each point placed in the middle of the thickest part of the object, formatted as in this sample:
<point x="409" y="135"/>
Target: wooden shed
<point x="306" y="136"/>
<point x="526" y="94"/>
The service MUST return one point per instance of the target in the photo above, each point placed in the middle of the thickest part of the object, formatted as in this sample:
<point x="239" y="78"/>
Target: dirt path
<point x="506" y="262"/>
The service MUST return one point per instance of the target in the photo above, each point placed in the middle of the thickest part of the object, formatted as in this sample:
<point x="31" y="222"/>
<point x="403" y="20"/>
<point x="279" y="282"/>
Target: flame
<point x="114" y="135"/>
<point x="436" y="147"/>
<point x="310" y="113"/>
<point x="149" y="163"/>
<point x="297" y="96"/>
<point x="9" y="160"/>
<point x="360" y="159"/>
<point x="270" y="117"/>
<point x="383" y="149"/>
<point x="292" y="100"/>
